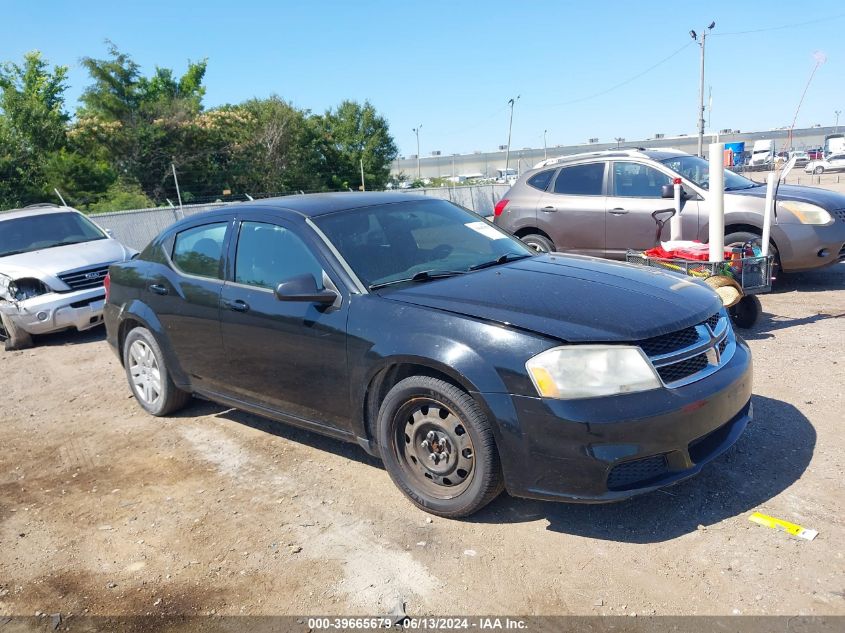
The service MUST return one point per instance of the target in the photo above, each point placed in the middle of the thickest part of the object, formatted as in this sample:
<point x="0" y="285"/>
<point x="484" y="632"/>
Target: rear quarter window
<point x="541" y="181"/>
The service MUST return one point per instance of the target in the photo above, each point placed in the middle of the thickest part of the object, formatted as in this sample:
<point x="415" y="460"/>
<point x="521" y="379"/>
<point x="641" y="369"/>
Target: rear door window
<point x="199" y="250"/>
<point x="581" y="180"/>
<point x="633" y="180"/>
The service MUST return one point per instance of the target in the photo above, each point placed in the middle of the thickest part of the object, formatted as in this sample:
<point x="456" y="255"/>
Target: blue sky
<point x="452" y="66"/>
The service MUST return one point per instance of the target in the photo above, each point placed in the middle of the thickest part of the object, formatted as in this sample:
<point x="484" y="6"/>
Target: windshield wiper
<point x="503" y="259"/>
<point x="423" y="275"/>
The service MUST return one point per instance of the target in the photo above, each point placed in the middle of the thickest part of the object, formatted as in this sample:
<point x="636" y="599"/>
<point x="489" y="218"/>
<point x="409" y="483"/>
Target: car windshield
<point x="697" y="170"/>
<point x="45" y="230"/>
<point x="417" y="240"/>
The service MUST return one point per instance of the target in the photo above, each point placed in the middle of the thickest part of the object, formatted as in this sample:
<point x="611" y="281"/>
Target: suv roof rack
<point x="43" y="205"/>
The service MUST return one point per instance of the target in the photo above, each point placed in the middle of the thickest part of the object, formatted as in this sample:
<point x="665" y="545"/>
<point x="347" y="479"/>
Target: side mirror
<point x="109" y="232"/>
<point x="304" y="288"/>
<point x="667" y="191"/>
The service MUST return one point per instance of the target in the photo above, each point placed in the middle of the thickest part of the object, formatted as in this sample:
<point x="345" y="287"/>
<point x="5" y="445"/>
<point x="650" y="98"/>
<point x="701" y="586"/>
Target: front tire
<point x="739" y="238"/>
<point x="438" y="447"/>
<point x="818" y="170"/>
<point x="539" y="243"/>
<point x="148" y="377"/>
<point x="13" y="337"/>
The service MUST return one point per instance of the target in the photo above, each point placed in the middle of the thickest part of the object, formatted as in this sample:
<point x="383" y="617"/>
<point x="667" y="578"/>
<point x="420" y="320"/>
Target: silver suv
<point x="53" y="262"/>
<point x="600" y="204"/>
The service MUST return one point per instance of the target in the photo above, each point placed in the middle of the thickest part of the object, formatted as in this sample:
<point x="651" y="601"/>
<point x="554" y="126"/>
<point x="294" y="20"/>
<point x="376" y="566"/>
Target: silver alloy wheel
<point x="145" y="373"/>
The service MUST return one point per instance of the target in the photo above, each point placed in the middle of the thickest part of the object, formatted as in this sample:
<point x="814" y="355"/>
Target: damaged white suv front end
<point x="53" y="262"/>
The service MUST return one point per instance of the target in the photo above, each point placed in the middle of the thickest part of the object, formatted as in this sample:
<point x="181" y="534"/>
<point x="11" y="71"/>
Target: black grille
<point x="842" y="252"/>
<point x="85" y="278"/>
<point x="839" y="214"/>
<point x="703" y="447"/>
<point x="714" y="321"/>
<point x="679" y="371"/>
<point x="722" y="346"/>
<point x="667" y="343"/>
<point x="638" y="471"/>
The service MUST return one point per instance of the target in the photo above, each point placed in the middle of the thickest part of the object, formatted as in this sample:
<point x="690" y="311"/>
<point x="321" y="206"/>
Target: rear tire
<point x="148" y="376"/>
<point x="741" y="237"/>
<point x="13" y="337"/>
<point x="438" y="447"/>
<point x="539" y="243"/>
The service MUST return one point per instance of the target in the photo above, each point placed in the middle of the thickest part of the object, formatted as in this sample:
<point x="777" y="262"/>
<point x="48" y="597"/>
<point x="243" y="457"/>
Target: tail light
<point x="107" y="285"/>
<point x="500" y="206"/>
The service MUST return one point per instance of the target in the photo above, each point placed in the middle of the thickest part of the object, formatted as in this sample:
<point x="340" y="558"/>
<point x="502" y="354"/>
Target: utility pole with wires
<point x="836" y="125"/>
<point x="545" y="149"/>
<point x="511" y="103"/>
<point x="701" y="43"/>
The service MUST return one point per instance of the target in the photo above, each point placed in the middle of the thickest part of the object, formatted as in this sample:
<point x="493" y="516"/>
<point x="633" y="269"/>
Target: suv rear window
<point x="581" y="180"/>
<point x="541" y="181"/>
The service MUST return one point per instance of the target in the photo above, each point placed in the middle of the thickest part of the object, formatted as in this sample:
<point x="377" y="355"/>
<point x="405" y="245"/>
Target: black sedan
<point x="467" y="362"/>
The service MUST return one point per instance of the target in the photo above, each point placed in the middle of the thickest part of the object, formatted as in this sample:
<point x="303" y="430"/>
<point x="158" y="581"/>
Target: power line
<point x="780" y="28"/>
<point x="627" y="81"/>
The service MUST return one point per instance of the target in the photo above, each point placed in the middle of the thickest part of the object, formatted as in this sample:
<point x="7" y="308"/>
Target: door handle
<point x="237" y="305"/>
<point x="549" y="209"/>
<point x="158" y="289"/>
<point x="618" y="211"/>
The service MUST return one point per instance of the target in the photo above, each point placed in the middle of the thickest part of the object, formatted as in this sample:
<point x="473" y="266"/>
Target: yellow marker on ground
<point x="783" y="526"/>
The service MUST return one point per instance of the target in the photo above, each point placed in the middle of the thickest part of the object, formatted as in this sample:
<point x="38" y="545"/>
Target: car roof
<point x="639" y="152"/>
<point x="35" y="209"/>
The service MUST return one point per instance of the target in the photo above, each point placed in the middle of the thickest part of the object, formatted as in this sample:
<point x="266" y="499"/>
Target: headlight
<point x="7" y="288"/>
<point x="587" y="371"/>
<point x="807" y="213"/>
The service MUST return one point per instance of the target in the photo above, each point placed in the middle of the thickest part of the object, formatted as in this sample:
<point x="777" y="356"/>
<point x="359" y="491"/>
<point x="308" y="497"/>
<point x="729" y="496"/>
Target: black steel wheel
<point x="539" y="243"/>
<point x="438" y="447"/>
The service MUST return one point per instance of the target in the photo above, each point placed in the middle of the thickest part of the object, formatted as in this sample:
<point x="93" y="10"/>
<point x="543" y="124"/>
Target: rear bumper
<point x="55" y="311"/>
<point x="609" y="449"/>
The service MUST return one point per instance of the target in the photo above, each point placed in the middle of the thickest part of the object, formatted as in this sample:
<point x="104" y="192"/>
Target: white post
<point x="767" y="213"/>
<point x="717" y="202"/>
<point x="675" y="222"/>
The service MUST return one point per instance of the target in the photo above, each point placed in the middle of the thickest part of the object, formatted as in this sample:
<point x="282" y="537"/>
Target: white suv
<point x="53" y="262"/>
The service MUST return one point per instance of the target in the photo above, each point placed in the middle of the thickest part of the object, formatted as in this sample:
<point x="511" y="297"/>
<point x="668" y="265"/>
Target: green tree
<point x="351" y="134"/>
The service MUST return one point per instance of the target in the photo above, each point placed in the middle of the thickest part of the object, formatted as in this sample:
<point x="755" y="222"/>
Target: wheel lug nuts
<point x="433" y="457"/>
<point x="424" y="444"/>
<point x="431" y="436"/>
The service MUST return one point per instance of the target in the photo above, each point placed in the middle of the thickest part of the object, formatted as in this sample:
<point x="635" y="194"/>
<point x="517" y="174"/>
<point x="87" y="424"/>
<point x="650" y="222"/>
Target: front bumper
<point x="806" y="247"/>
<point x="608" y="449"/>
<point x="54" y="311"/>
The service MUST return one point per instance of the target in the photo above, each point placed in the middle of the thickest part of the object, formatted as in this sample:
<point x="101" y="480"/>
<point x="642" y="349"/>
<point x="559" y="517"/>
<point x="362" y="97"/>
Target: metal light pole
<point x="701" y="43"/>
<point x="618" y="140"/>
<point x="416" y="130"/>
<point x="836" y="127"/>
<point x="511" y="103"/>
<point x="545" y="151"/>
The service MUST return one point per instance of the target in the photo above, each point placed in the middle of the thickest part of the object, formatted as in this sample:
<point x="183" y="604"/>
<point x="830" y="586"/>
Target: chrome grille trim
<point x="85" y="278"/>
<point x="717" y="343"/>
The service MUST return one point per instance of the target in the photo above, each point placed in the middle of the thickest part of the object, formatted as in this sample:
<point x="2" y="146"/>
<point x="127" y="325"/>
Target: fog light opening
<point x="823" y="253"/>
<point x="42" y="316"/>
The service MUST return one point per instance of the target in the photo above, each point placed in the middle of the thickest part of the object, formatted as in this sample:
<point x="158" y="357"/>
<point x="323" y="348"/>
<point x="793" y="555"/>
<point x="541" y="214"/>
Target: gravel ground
<point x="106" y="510"/>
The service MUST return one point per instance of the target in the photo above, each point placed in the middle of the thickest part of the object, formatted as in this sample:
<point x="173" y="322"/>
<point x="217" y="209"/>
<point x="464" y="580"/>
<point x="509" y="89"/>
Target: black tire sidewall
<point x="486" y="465"/>
<point x="746" y="236"/>
<point x="745" y="313"/>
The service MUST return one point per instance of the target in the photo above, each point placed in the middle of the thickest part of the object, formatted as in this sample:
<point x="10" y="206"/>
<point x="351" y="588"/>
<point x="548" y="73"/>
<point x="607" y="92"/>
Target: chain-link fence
<point x="136" y="227"/>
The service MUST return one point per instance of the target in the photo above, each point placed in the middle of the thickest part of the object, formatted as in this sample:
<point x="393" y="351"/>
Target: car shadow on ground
<point x="337" y="447"/>
<point x="71" y="337"/>
<point x="827" y="278"/>
<point x="773" y="452"/>
<point x="768" y="323"/>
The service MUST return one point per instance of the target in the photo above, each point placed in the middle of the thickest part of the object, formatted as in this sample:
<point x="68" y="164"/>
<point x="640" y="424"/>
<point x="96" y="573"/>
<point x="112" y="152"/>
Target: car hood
<point x="829" y="200"/>
<point x="571" y="298"/>
<point x="46" y="264"/>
